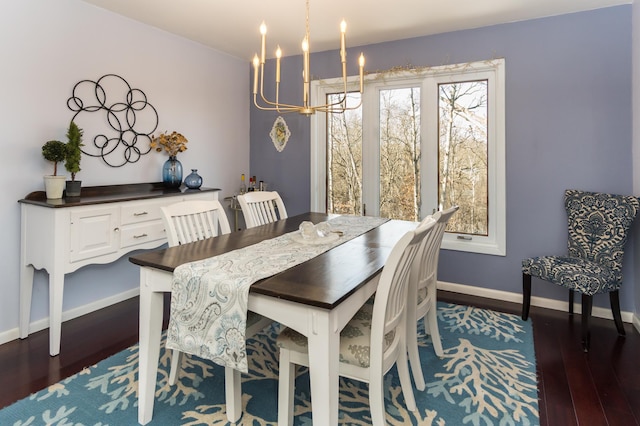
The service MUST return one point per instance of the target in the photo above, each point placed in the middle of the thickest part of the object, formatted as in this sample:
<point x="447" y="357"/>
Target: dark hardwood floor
<point x="601" y="387"/>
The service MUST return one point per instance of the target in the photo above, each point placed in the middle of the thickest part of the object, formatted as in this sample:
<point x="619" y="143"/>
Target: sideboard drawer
<point x="142" y="211"/>
<point x="132" y="235"/>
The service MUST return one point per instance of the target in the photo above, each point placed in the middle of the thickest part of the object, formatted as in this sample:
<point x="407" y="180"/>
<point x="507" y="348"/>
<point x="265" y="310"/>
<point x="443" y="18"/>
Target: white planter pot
<point x="54" y="186"/>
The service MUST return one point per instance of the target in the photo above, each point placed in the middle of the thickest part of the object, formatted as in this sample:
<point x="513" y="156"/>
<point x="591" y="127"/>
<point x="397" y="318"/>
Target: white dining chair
<point x="194" y="220"/>
<point x="261" y="207"/>
<point x="373" y="340"/>
<point x="423" y="289"/>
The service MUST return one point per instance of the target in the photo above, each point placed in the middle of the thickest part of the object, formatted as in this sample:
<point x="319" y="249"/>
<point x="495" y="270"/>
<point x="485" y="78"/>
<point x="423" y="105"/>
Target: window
<point x="421" y="140"/>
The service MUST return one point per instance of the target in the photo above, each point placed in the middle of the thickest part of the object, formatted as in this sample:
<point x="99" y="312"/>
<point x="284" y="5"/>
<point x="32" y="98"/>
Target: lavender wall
<point x="568" y="125"/>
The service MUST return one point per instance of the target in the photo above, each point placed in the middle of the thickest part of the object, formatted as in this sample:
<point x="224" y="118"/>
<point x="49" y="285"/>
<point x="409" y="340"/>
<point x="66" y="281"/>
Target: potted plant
<point x="72" y="159"/>
<point x="54" y="151"/>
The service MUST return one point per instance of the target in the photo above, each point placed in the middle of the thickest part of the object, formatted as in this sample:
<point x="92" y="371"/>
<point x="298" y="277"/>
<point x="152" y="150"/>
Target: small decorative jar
<point x="172" y="173"/>
<point x="194" y="180"/>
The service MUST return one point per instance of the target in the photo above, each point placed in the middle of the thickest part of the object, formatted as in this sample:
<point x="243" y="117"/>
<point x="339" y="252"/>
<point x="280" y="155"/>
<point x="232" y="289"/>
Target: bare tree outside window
<point x="462" y="161"/>
<point x="400" y="153"/>
<point x="462" y="155"/>
<point x="344" y="158"/>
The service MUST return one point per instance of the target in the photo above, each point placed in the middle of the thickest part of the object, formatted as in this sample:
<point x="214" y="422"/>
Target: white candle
<point x="263" y="31"/>
<point x="343" y="44"/>
<point x="361" y="60"/>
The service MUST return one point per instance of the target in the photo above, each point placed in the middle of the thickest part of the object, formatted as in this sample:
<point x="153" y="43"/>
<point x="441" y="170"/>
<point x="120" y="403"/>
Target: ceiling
<point x="233" y="26"/>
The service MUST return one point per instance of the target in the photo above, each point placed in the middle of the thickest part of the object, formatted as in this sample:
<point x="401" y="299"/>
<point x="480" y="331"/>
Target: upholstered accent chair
<point x="261" y="207"/>
<point x="423" y="289"/>
<point x="371" y="342"/>
<point x="598" y="228"/>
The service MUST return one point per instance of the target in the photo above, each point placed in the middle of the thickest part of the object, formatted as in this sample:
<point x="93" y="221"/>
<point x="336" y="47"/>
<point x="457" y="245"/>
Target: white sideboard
<point x="105" y="223"/>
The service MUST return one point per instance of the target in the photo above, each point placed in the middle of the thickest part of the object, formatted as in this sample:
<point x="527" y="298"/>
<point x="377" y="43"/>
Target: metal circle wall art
<point x="130" y="118"/>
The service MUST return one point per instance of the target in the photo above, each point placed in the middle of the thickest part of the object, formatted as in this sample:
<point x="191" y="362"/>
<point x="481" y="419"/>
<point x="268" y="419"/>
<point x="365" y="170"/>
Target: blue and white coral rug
<point x="486" y="377"/>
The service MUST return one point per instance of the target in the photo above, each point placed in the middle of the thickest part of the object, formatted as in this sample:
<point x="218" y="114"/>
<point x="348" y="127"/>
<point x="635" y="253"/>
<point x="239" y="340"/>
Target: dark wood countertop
<point x="111" y="194"/>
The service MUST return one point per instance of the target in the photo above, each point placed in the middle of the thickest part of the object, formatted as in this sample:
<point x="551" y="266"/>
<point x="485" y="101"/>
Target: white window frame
<point x="428" y="79"/>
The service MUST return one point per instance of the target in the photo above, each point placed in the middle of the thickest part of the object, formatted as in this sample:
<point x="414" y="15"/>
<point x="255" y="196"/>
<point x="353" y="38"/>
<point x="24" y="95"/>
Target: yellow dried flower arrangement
<point x="172" y="143"/>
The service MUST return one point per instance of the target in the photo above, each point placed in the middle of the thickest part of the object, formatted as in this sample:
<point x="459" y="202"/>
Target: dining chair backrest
<point x="389" y="309"/>
<point x="194" y="220"/>
<point x="423" y="292"/>
<point x="261" y="207"/>
<point x="425" y="268"/>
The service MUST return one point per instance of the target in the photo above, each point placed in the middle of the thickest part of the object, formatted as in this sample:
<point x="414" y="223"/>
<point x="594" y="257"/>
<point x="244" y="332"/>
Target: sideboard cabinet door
<point x="94" y="233"/>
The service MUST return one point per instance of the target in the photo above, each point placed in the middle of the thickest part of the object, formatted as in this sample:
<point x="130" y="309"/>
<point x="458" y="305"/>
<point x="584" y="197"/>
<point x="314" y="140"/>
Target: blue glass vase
<point x="194" y="180"/>
<point x="172" y="173"/>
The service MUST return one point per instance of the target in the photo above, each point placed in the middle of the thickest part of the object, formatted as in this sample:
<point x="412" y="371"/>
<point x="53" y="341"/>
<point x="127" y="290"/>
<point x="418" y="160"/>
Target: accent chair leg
<point x="614" y="297"/>
<point x="570" y="302"/>
<point x="587" y="303"/>
<point x="526" y="295"/>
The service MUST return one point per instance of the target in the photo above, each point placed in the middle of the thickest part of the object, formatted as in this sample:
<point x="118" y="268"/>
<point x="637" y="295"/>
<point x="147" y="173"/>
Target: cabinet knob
<point x="116" y="229"/>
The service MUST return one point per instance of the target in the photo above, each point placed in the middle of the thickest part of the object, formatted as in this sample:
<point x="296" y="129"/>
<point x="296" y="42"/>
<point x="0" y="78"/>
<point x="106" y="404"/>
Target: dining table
<point x="317" y="298"/>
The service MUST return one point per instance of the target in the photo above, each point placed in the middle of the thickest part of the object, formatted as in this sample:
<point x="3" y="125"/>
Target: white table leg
<point x="233" y="393"/>
<point x="324" y="359"/>
<point x="56" y="290"/>
<point x="151" y="310"/>
<point x="26" y="290"/>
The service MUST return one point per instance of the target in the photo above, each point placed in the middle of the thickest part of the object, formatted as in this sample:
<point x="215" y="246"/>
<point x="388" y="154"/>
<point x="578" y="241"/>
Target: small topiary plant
<point x="73" y="152"/>
<point x="54" y="151"/>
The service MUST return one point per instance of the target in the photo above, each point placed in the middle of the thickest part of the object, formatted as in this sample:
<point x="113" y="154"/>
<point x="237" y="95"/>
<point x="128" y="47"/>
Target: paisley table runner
<point x="209" y="297"/>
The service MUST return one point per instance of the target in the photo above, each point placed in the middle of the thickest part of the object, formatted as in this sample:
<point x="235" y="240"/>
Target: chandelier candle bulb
<point x="361" y="61"/>
<point x="263" y="32"/>
<point x="343" y="44"/>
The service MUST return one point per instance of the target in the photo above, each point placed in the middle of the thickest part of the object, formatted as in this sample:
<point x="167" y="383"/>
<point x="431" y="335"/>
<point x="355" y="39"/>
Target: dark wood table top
<point x="324" y="281"/>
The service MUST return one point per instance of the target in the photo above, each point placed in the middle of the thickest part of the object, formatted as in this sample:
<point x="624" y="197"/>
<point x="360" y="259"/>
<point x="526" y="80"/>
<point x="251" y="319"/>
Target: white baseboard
<point x="43" y="323"/>
<point x="542" y="302"/>
<point x="557" y="305"/>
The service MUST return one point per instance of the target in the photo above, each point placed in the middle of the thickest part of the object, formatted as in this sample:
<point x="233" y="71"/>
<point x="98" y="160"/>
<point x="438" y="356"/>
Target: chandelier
<point x="306" y="108"/>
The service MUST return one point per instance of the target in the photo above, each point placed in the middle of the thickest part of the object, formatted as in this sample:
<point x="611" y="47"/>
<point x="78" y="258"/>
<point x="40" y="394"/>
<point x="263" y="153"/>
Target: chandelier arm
<point x="330" y="110"/>
<point x="280" y="108"/>
<point x="275" y="106"/>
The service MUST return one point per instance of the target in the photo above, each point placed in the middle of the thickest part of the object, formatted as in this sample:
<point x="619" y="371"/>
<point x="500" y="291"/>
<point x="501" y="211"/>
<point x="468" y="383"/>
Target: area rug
<point x="486" y="377"/>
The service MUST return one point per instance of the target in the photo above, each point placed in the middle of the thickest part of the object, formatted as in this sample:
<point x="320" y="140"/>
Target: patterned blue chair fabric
<point x="598" y="228"/>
